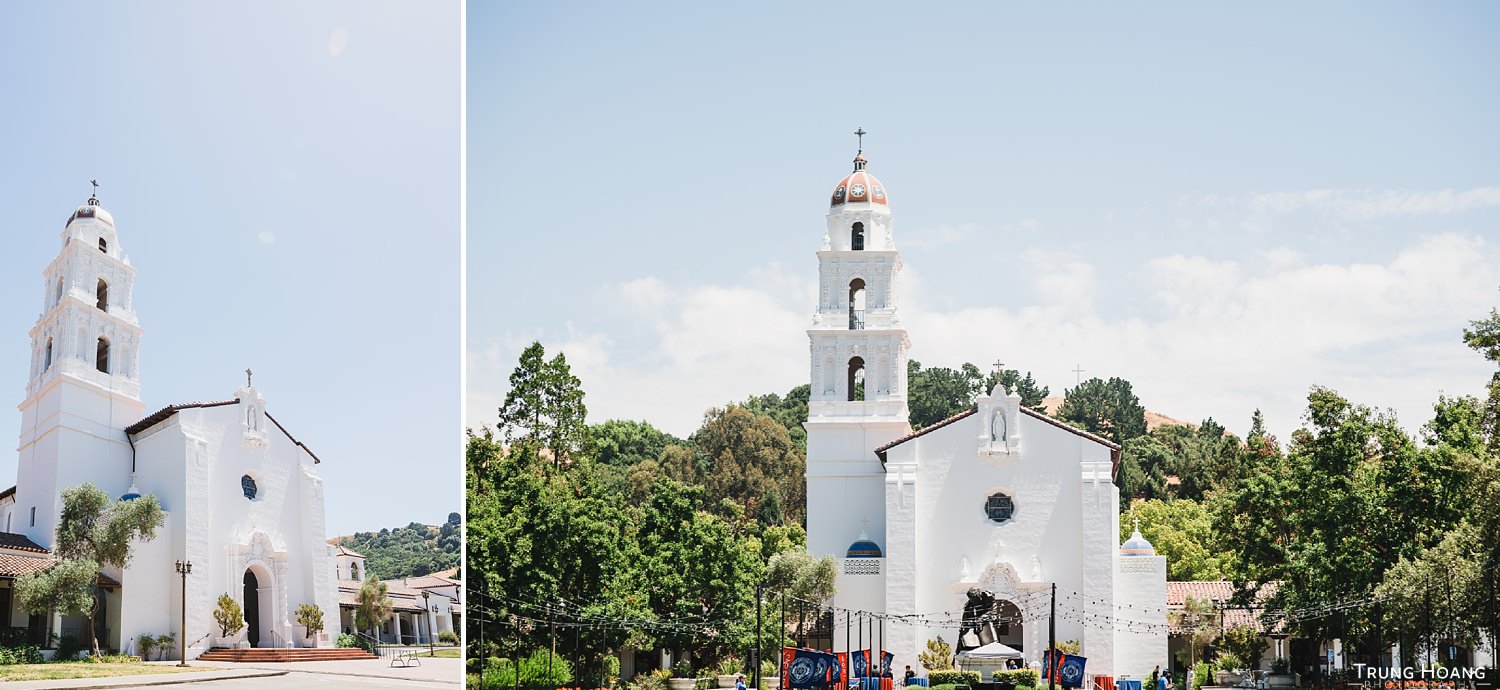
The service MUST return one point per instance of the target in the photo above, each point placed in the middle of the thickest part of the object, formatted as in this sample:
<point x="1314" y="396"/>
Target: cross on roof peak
<point x="248" y="375"/>
<point x="861" y="134"/>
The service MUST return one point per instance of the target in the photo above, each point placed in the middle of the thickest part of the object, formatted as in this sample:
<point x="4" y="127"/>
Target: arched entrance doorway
<point x="990" y="619"/>
<point x="252" y="608"/>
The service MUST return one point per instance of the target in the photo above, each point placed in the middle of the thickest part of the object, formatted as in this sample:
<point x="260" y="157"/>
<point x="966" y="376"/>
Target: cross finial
<point x="999" y="367"/>
<point x="1077" y="373"/>
<point x="1137" y="524"/>
<point x="248" y="375"/>
<point x="861" y="134"/>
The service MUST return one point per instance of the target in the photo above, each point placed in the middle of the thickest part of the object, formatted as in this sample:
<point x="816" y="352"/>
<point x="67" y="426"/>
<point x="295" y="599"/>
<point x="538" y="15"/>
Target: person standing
<point x="739" y="683"/>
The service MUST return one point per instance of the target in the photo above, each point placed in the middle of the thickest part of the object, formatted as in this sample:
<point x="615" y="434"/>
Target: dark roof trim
<point x="1069" y="427"/>
<point x="8" y="492"/>
<point x="1114" y="448"/>
<point x="293" y="439"/>
<point x="155" y="417"/>
<point x="158" y="416"/>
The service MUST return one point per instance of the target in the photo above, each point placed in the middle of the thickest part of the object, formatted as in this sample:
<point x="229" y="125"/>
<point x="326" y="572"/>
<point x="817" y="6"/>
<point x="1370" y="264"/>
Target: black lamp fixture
<point x="183" y="569"/>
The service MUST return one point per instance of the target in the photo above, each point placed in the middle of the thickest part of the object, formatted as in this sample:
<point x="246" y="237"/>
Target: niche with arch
<point x="102" y="293"/>
<point x="101" y="355"/>
<point x="857" y="304"/>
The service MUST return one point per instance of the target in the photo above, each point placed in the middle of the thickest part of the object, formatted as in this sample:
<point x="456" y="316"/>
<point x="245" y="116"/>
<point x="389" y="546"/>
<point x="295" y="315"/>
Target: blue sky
<point x="285" y="179"/>
<point x="1224" y="204"/>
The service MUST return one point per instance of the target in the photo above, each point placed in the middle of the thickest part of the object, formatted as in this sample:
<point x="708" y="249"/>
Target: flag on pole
<point x="1069" y="669"/>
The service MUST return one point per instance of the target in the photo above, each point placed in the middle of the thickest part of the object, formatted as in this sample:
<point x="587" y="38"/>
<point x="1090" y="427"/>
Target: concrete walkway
<point x="435" y="670"/>
<point x="219" y="673"/>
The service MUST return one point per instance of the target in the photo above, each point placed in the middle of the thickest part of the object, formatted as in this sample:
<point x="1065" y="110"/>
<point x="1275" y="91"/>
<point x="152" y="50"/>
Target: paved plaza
<point x="433" y="674"/>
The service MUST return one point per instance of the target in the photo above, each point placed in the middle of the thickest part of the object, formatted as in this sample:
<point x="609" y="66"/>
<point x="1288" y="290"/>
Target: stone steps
<point x="284" y="655"/>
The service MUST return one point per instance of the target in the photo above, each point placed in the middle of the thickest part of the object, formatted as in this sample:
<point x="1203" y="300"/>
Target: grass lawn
<point x="85" y="669"/>
<point x="449" y="653"/>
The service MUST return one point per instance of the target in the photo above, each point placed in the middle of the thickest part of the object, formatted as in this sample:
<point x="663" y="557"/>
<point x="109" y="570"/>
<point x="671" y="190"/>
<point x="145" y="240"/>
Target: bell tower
<point x="857" y="401"/>
<point x="84" y="387"/>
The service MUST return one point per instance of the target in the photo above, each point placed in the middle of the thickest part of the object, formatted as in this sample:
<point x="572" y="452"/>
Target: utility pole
<point x="551" y="632"/>
<point x="760" y="593"/>
<point x="1052" y="643"/>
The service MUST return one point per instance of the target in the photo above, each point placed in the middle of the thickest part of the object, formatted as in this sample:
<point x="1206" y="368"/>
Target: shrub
<point x="730" y="665"/>
<point x="450" y="637"/>
<point x="533" y="670"/>
<point x="969" y="678"/>
<point x="20" y="654"/>
<point x="1018" y="677"/>
<point x="164" y="645"/>
<point x="347" y="641"/>
<point x="1281" y="665"/>
<point x="1229" y="661"/>
<point x="768" y="668"/>
<point x="1203" y="674"/>
<point x="938" y="657"/>
<point x="144" y="644"/>
<point x="682" y="669"/>
<point x="655" y="680"/>
<point x="68" y="648"/>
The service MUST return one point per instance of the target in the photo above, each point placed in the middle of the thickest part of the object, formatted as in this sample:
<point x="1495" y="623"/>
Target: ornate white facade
<point x="985" y="510"/>
<point x="243" y="498"/>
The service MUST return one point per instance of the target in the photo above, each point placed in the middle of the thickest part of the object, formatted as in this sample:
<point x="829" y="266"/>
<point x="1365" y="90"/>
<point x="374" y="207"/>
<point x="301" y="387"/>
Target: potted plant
<point x="682" y="676"/>
<point x="1281" y="674"/>
<point x="311" y="619"/>
<point x="1230" y="669"/>
<point x="768" y="677"/>
<point x="729" y="671"/>
<point x="230" y="619"/>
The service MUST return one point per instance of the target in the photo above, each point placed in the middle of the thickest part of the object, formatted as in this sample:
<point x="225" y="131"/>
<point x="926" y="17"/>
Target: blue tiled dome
<point x="864" y="548"/>
<point x="1137" y="545"/>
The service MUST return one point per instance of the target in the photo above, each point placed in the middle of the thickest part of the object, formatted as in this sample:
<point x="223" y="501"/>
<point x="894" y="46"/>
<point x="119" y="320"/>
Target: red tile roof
<point x="19" y="542"/>
<point x="1219" y="593"/>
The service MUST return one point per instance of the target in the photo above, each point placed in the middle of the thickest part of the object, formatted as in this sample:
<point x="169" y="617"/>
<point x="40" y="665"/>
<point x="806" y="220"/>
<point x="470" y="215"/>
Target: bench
<point x="405" y="657"/>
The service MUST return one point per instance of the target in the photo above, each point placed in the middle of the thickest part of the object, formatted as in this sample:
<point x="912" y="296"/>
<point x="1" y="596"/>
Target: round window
<point x="999" y="507"/>
<point x="247" y="483"/>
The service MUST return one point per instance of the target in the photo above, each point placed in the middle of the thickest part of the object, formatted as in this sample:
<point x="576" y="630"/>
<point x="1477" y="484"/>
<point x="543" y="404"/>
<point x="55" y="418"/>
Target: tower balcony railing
<point x="856" y="319"/>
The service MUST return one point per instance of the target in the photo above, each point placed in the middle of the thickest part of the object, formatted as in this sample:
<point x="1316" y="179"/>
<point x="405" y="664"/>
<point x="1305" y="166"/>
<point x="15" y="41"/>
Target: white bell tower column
<point x="858" y="373"/>
<point x="84" y="387"/>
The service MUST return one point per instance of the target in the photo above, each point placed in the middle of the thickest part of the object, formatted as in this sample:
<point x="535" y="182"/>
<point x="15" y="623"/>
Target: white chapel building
<point x="243" y="498"/>
<point x="962" y="528"/>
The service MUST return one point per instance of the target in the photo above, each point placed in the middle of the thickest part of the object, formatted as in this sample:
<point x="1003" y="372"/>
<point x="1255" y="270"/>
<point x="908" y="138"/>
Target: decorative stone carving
<point x="999" y="423"/>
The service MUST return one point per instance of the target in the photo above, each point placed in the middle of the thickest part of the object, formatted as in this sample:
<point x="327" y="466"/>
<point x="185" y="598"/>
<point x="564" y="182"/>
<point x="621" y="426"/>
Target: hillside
<point x="1153" y="419"/>
<point x="415" y="549"/>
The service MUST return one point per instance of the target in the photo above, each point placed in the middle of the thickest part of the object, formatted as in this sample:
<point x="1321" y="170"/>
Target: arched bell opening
<point x="856" y="379"/>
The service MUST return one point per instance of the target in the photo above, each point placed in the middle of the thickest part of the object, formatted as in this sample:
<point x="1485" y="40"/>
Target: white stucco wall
<point x="195" y="459"/>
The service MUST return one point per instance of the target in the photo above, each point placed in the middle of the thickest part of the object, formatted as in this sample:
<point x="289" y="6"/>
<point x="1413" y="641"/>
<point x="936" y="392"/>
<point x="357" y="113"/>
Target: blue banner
<point x="1069" y="671"/>
<point x="885" y="662"/>
<point x="806" y="668"/>
<point x="860" y="662"/>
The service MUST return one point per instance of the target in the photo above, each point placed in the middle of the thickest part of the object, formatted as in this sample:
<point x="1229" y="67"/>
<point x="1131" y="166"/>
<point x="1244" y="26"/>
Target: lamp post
<point x="427" y="613"/>
<point x="183" y="569"/>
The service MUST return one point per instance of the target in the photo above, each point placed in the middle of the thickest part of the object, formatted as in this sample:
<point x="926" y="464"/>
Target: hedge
<point x="1018" y="677"/>
<point x="970" y="678"/>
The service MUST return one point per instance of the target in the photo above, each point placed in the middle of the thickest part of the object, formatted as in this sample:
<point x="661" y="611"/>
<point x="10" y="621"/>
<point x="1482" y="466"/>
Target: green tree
<point x="748" y="458"/>
<point x="623" y="443"/>
<point x="802" y="577"/>
<point x="789" y="410"/>
<point x="1352" y="496"/>
<point x="228" y="616"/>
<point x="92" y="532"/>
<point x="1483" y="335"/>
<point x="938" y="393"/>
<point x="938" y="657"/>
<point x="1107" y="408"/>
<point x="1012" y="382"/>
<point x="545" y="405"/>
<point x="311" y="617"/>
<point x="1183" y="531"/>
<point x="372" y="605"/>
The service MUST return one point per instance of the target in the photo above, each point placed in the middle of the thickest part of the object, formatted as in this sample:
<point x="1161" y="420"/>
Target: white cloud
<point x="338" y="41"/>
<point x="1367" y="204"/>
<point x="1231" y="336"/>
<point x="267" y="237"/>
